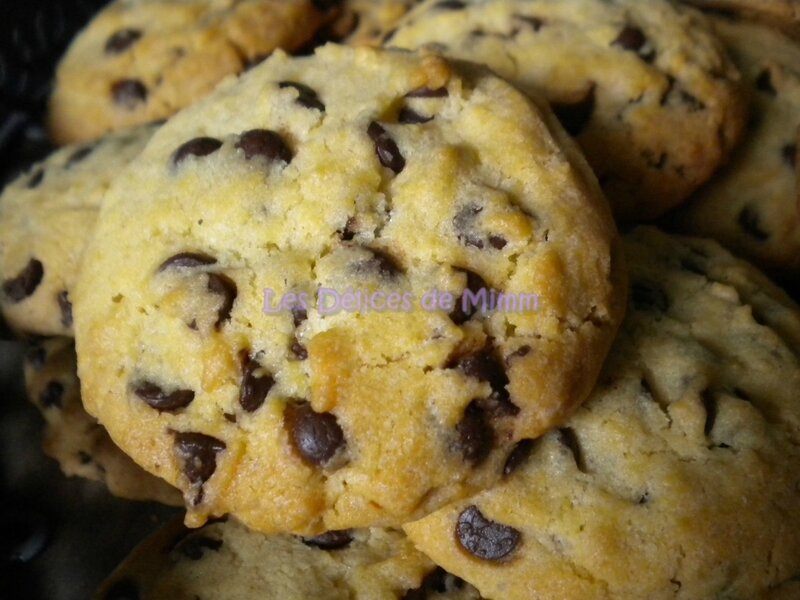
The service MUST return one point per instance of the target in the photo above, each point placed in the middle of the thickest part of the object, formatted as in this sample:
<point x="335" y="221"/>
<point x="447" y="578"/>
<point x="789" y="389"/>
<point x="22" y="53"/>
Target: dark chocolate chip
<point x="386" y="148"/>
<point x="381" y="262"/>
<point x="25" y="283"/>
<point x="483" y="538"/>
<point x="229" y="417"/>
<point x="350" y="230"/>
<point x="750" y="223"/>
<point x="52" y="394"/>
<point x="461" y="313"/>
<point x="306" y="97"/>
<point x="450" y="5"/>
<point x="200" y="146"/>
<point x="789" y="154"/>
<point x="198" y="455"/>
<point x="630" y="38"/>
<point x="764" y="82"/>
<point x="464" y="224"/>
<point x="407" y="116"/>
<point x="36" y="179"/>
<point x="155" y="397"/>
<point x="475" y="434"/>
<point x="710" y="405"/>
<point x="124" y="589"/>
<point x="121" y="40"/>
<point x="300" y="351"/>
<point x="574" y="116"/>
<point x="193" y="547"/>
<point x="223" y="286"/>
<point x="497" y="242"/>
<point x="128" y="93"/>
<point x="255" y="387"/>
<point x="299" y="314"/>
<point x="566" y="436"/>
<point x="519" y="455"/>
<point x="316" y="437"/>
<point x="36" y="356"/>
<point x="264" y="143"/>
<point x="433" y="582"/>
<point x="66" y="308"/>
<point x="79" y="155"/>
<point x="647" y="296"/>
<point x="426" y="92"/>
<point x="485" y="366"/>
<point x="330" y="540"/>
<point x="187" y="260"/>
<point x="518" y="353"/>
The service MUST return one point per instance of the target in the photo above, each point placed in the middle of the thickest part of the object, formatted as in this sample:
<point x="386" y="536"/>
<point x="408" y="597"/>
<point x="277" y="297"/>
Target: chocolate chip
<point x="36" y="179"/>
<point x="386" y="148"/>
<point x="66" y="308"/>
<point x="200" y="146"/>
<point x="223" y="286"/>
<point x="187" y="260"/>
<point x="306" y="97"/>
<point x="350" y="229"/>
<point x="434" y="582"/>
<point x="36" y="356"/>
<point x="484" y="366"/>
<point x="407" y="116"/>
<point x="264" y="143"/>
<point x="381" y="262"/>
<point x="461" y="313"/>
<point x="330" y="540"/>
<point x="124" y="589"/>
<point x="497" y="242"/>
<point x="230" y="417"/>
<point x="198" y="455"/>
<point x="426" y="92"/>
<point x="193" y="547"/>
<point x="299" y="314"/>
<point x="750" y="222"/>
<point x="122" y="40"/>
<point x="475" y="434"/>
<point x="574" y="116"/>
<point x="464" y="224"/>
<point x="128" y="93"/>
<point x="155" y="397"/>
<point x="764" y="82"/>
<point x="316" y="437"/>
<point x="519" y="455"/>
<point x="646" y="296"/>
<point x="450" y="5"/>
<point x="52" y="394"/>
<point x="630" y="38"/>
<point x="256" y="384"/>
<point x="518" y="353"/>
<point x="483" y="538"/>
<point x="299" y="350"/>
<point x="567" y="438"/>
<point x="25" y="283"/>
<point x="710" y="406"/>
<point x="79" y="155"/>
<point x="789" y="154"/>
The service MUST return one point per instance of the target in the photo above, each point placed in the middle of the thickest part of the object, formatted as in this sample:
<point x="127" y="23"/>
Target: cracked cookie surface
<point x="678" y="477"/>
<point x="784" y="14"/>
<point x="645" y="88"/>
<point x="72" y="437"/>
<point x="390" y="173"/>
<point x="751" y="205"/>
<point x="46" y="217"/>
<point x="225" y="560"/>
<point x="139" y="61"/>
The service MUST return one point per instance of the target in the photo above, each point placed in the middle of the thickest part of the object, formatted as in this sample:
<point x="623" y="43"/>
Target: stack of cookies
<point x="361" y="305"/>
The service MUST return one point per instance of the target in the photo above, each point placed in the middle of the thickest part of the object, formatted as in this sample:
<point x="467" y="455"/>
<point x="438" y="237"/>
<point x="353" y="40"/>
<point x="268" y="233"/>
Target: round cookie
<point x="143" y="60"/>
<point x="225" y="560"/>
<point x="365" y="22"/>
<point x="73" y="438"/>
<point x="777" y="13"/>
<point x="317" y="177"/>
<point x="678" y="477"/>
<point x="645" y="87"/>
<point x="751" y="205"/>
<point x="45" y="218"/>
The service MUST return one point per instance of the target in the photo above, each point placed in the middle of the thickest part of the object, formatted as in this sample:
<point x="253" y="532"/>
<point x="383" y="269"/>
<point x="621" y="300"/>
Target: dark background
<point x="59" y="537"/>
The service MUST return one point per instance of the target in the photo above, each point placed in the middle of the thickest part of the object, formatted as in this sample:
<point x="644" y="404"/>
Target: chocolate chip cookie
<point x="751" y="205"/>
<point x="46" y="217"/>
<point x="645" y="87"/>
<point x="73" y="438"/>
<point x="225" y="560"/>
<point x="142" y="60"/>
<point x="353" y="281"/>
<point x="777" y="13"/>
<point x="678" y="477"/>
